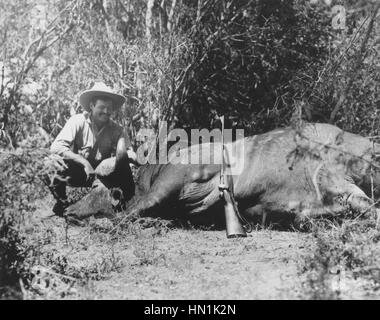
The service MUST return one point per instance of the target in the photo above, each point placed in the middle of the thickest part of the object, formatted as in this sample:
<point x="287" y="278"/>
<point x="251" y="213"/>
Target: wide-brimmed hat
<point x="100" y="89"/>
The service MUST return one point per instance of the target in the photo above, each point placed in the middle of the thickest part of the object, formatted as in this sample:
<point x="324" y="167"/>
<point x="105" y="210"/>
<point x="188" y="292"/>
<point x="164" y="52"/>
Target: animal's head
<point x="105" y="198"/>
<point x="100" y="202"/>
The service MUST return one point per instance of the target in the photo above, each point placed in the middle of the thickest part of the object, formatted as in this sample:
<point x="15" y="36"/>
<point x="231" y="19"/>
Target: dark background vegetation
<point x="261" y="63"/>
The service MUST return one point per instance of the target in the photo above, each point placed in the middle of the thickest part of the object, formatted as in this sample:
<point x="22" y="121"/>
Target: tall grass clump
<point x="346" y="255"/>
<point x="20" y="187"/>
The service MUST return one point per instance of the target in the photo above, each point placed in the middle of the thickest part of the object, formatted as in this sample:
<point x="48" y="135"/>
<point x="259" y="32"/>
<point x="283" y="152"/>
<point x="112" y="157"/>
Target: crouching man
<point x="86" y="140"/>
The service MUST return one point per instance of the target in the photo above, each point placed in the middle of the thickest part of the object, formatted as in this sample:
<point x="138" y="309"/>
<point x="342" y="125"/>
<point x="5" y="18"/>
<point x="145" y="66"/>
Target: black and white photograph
<point x="201" y="152"/>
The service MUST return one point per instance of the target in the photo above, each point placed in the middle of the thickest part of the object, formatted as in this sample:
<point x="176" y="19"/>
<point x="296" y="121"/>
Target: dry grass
<point x="345" y="262"/>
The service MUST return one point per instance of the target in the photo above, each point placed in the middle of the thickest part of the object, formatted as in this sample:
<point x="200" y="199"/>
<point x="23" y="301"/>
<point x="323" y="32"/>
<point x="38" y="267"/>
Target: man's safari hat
<point x="100" y="89"/>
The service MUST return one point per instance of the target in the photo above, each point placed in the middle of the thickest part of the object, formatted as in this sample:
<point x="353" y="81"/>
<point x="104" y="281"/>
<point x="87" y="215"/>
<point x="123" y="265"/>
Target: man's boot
<point x="58" y="190"/>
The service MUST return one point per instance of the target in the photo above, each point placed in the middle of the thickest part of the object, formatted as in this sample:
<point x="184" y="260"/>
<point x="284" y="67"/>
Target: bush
<point x="246" y="60"/>
<point x="20" y="187"/>
<point x="347" y="90"/>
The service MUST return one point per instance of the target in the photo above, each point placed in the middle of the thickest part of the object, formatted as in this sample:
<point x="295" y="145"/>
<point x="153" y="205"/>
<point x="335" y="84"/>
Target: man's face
<point x="101" y="111"/>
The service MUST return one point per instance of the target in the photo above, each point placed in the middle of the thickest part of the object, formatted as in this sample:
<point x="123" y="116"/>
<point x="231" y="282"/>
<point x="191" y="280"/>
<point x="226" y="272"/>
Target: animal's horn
<point x="121" y="151"/>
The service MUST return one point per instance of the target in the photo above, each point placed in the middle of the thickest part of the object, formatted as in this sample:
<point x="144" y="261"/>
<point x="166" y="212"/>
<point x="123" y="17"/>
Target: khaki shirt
<point x="81" y="136"/>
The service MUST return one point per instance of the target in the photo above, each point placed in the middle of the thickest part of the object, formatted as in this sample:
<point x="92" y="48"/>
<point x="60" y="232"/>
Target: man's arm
<point x="64" y="141"/>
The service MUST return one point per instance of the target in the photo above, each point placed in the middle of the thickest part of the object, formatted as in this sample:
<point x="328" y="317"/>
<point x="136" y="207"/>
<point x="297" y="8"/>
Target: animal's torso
<point x="282" y="170"/>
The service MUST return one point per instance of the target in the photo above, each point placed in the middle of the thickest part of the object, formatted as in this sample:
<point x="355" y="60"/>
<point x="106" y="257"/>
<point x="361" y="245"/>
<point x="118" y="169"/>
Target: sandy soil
<point x="207" y="265"/>
<point x="161" y="263"/>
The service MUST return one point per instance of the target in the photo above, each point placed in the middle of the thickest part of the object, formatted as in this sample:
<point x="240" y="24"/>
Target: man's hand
<point x="88" y="169"/>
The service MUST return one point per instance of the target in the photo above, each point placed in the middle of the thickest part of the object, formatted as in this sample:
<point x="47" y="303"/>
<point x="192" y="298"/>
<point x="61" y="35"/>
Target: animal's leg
<point x="257" y="214"/>
<point x="165" y="188"/>
<point x="339" y="188"/>
<point x="358" y="200"/>
<point x="352" y="197"/>
<point x="146" y="204"/>
<point x="324" y="211"/>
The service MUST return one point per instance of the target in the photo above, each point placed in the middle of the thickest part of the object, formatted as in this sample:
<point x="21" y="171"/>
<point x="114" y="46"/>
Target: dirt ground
<point x="163" y="263"/>
<point x="207" y="265"/>
<point x="151" y="259"/>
